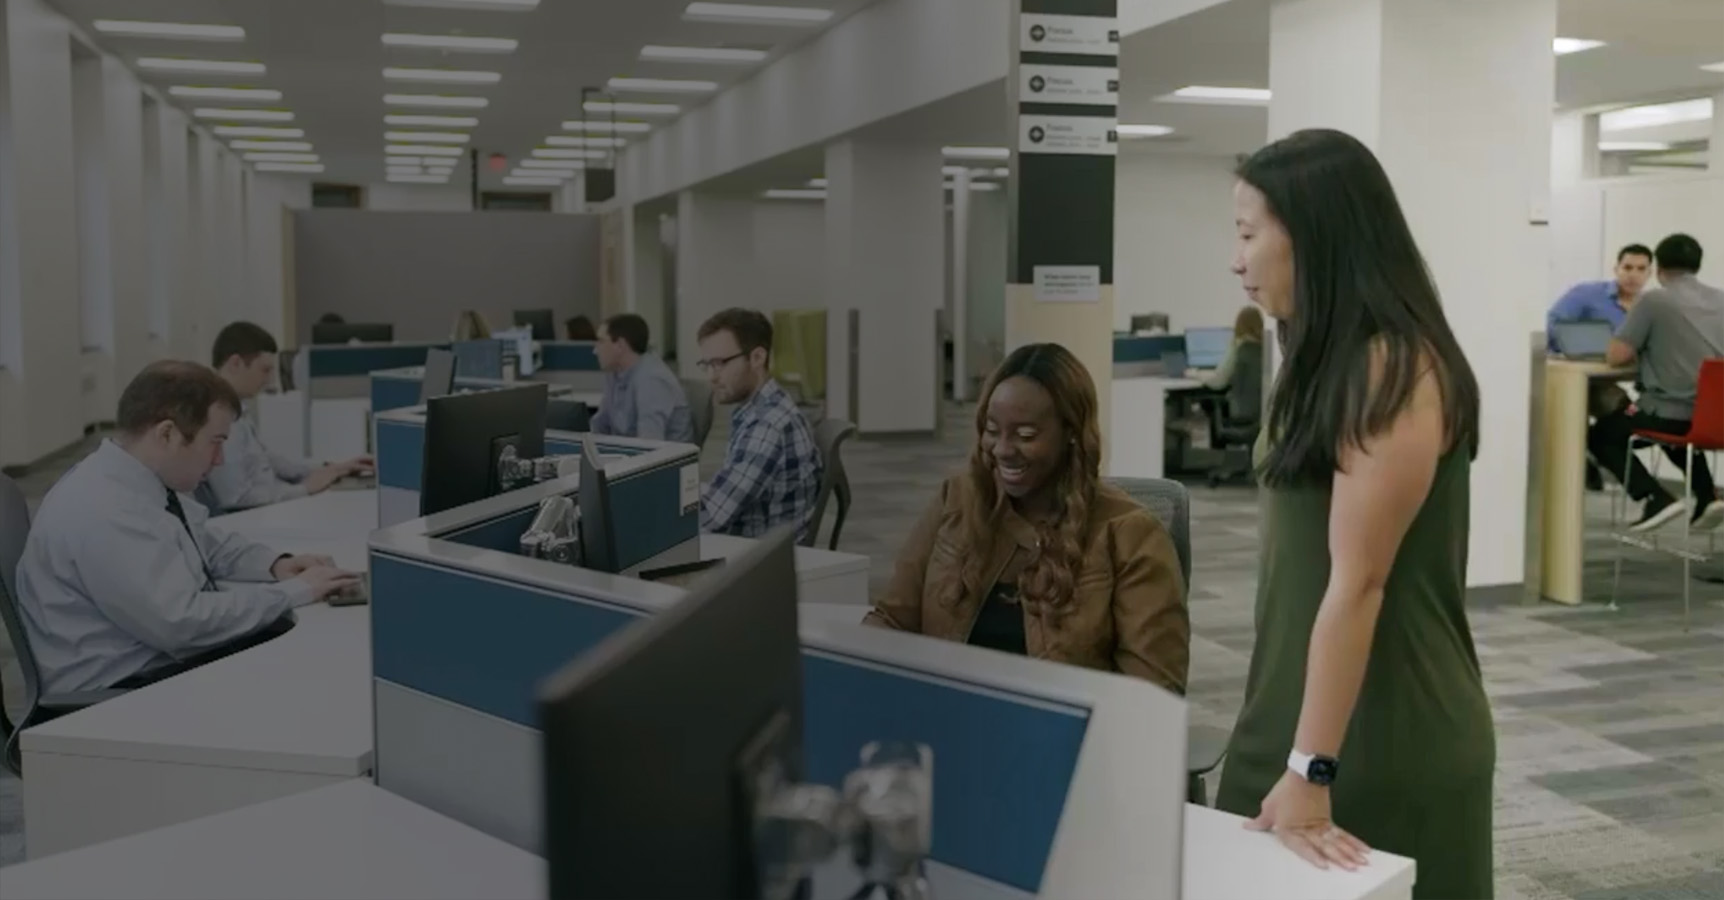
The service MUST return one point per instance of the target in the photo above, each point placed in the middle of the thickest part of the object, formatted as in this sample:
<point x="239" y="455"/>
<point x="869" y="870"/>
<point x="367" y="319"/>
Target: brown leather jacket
<point x="1130" y="615"/>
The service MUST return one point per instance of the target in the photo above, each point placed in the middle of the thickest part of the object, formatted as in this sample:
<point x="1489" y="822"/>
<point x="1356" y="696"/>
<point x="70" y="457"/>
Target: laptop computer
<point x="1586" y="339"/>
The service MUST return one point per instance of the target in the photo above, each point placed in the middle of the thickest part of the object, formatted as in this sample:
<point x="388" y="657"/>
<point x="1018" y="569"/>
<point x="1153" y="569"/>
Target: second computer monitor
<point x="542" y="321"/>
<point x="598" y="528"/>
<point x="466" y="433"/>
<point x="1205" y="348"/>
<point x="439" y="377"/>
<point x="348" y="332"/>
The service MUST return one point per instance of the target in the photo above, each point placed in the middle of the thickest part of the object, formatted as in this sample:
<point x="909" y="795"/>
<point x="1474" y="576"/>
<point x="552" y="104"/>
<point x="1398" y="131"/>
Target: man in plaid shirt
<point x="771" y="474"/>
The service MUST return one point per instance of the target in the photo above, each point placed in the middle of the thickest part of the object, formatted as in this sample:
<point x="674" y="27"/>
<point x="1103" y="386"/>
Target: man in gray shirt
<point x="251" y="474"/>
<point x="643" y="397"/>
<point x="124" y="581"/>
<point x="1668" y="333"/>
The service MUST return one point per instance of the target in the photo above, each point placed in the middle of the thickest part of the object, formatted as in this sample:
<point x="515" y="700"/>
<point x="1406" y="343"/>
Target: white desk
<point x="356" y="840"/>
<point x="1137" y="425"/>
<point x="336" y="515"/>
<point x="822" y="576"/>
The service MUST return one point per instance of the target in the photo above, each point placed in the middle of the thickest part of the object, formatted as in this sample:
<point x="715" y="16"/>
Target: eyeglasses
<point x="712" y="365"/>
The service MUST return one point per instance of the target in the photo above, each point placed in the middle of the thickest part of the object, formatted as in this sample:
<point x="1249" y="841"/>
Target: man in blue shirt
<point x="643" y="397"/>
<point x="772" y="469"/>
<point x="1607" y="301"/>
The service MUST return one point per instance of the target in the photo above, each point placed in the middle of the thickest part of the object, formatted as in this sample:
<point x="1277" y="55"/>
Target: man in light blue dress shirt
<point x="124" y="580"/>
<point x="643" y="397"/>
<point x="251" y="474"/>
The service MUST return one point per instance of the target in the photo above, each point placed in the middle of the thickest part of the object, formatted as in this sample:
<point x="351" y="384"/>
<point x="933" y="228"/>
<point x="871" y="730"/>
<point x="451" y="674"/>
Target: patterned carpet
<point x="1610" y="725"/>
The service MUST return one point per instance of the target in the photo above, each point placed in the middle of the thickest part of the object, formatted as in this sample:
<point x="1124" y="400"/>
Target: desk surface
<point x="1592" y="368"/>
<point x="812" y="563"/>
<point x="337" y="514"/>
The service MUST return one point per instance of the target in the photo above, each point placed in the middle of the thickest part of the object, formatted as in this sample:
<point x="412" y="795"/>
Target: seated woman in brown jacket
<point x="1030" y="552"/>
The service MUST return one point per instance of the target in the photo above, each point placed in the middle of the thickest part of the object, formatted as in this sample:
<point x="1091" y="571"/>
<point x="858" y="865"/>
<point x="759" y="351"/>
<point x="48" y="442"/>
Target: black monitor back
<point x="465" y="433"/>
<point x="542" y="321"/>
<point x="348" y="332"/>
<point x="598" y="527"/>
<point x="569" y="415"/>
<point x="651" y="738"/>
<point x="439" y="377"/>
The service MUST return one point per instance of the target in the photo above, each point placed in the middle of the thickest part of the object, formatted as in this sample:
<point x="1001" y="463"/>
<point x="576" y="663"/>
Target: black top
<point x="1000" y="624"/>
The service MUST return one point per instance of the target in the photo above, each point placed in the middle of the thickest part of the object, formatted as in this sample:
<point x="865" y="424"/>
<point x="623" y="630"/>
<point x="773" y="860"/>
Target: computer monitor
<point x="482" y="358"/>
<point x="348" y="332"/>
<point x="1174" y="363"/>
<point x="569" y="415"/>
<point x="1205" y="348"/>
<point x="521" y="341"/>
<point x="542" y="321"/>
<point x="1583" y="338"/>
<point x="598" y="529"/>
<point x="464" y="435"/>
<point x="439" y="377"/>
<point x="654" y="741"/>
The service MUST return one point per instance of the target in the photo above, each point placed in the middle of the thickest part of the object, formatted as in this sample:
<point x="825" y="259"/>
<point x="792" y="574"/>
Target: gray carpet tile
<point x="1610" y="724"/>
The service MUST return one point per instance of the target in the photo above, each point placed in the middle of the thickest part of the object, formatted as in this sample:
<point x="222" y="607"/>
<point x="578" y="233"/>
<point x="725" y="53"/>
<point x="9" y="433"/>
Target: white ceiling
<point x="327" y="58"/>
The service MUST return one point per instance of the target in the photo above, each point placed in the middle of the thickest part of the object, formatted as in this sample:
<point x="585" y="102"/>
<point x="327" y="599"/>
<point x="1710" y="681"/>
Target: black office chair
<point x="38" y="707"/>
<point x="1170" y="502"/>
<point x="830" y="436"/>
<point x="1235" y="421"/>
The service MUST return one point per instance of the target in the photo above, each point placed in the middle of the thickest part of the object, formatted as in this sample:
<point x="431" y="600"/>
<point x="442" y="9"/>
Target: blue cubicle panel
<point x="1146" y="348"/>
<point x="400" y="388"/>
<point x="344" y="360"/>
<point x="568" y="356"/>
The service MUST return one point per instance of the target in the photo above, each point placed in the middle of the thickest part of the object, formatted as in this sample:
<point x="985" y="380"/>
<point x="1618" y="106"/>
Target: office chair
<point x="699" y="394"/>
<point x="38" y="707"/>
<point x="1234" y="423"/>
<point x="830" y="436"/>
<point x="1151" y="323"/>
<point x="1170" y="503"/>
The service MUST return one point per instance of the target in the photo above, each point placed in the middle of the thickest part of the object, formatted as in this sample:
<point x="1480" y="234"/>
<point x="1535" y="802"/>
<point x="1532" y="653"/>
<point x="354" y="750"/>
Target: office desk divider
<point x="568" y="356"/>
<point x="1047" y="778"/>
<point x="393" y="389"/>
<point x="1135" y="356"/>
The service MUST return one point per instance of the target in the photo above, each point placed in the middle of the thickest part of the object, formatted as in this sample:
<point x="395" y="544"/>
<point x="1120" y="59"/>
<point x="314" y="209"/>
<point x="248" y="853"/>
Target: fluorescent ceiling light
<point x="1714" y="67"/>
<point x="754" y="14"/>
<point x="294" y="146"/>
<point x="1138" y="131"/>
<point x="419" y="179"/>
<point x="432" y="121"/>
<point x="1563" y="46"/>
<point x="402" y="160"/>
<point x="200" y="66"/>
<point x="953" y="170"/>
<point x="566" y="165"/>
<point x="184" y="32"/>
<point x="559" y="140"/>
<point x="1002" y="172"/>
<point x="1656" y="114"/>
<point x="307" y="168"/>
<point x="544" y="153"/>
<point x="1220" y="96"/>
<point x="519" y="181"/>
<point x="444" y="170"/>
<point x="245" y="115"/>
<point x="660" y="86"/>
<point x="427" y="137"/>
<point x="794" y="194"/>
<point x="719" y="55"/>
<point x="257" y="131"/>
<point x="600" y="126"/>
<point x="818" y="183"/>
<point x="483" y="5"/>
<point x="435" y="100"/>
<point x="976" y="152"/>
<point x="456" y="42"/>
<point x="262" y="95"/>
<point x="547" y="174"/>
<point x="982" y="186"/>
<point x="281" y="157"/>
<point x="404" y="170"/>
<point x="632" y="109"/>
<point x="418" y="150"/>
<point x="442" y="76"/>
<point x="1626" y="146"/>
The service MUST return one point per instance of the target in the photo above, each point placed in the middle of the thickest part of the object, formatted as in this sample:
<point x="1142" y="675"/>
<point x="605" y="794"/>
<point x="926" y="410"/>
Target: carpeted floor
<point x="1610" y="725"/>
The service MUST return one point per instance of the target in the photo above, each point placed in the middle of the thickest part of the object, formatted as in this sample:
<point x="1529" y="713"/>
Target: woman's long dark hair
<point x="1360" y="286"/>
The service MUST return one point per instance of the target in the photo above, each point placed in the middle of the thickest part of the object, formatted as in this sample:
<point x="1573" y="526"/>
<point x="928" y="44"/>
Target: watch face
<point x="1322" y="770"/>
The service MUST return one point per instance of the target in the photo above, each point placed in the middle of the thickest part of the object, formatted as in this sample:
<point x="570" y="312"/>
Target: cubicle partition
<point x="325" y="416"/>
<point x="1139" y="355"/>
<point x="1047" y="778"/>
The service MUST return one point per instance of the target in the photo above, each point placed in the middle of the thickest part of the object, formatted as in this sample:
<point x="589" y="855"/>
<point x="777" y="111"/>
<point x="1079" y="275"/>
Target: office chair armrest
<point x="76" y="700"/>
<point x="1204" y="748"/>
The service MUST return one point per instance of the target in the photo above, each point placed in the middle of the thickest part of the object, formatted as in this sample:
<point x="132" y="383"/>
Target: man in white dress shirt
<point x="123" y="581"/>
<point x="251" y="474"/>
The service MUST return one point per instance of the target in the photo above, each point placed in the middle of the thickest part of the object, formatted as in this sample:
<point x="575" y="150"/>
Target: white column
<point x="645" y="273"/>
<point x="1716" y="164"/>
<point x="885" y="257"/>
<point x="715" y="252"/>
<point x="960" y="268"/>
<point x="1573" y="147"/>
<point x="1466" y="140"/>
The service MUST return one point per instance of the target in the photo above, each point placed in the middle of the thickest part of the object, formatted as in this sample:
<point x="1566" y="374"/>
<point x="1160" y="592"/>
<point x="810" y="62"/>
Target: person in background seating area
<point x="579" y="328"/>
<point x="1603" y="301"/>
<point x="643" y="397"/>
<point x="1247" y="330"/>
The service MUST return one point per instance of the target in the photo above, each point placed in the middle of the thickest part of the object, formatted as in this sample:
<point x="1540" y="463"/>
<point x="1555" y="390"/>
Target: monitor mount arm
<point x="515" y="471"/>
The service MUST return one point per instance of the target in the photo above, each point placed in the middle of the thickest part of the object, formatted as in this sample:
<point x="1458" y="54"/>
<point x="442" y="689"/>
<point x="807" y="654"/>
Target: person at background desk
<point x="1247" y="338"/>
<point x="1365" y="712"/>
<point x="470" y="325"/>
<point x="249" y="473"/>
<point x="579" y="328"/>
<point x="119" y="582"/>
<point x="771" y="473"/>
<point x="1604" y="301"/>
<point x="1667" y="334"/>
<point x="1030" y="552"/>
<point x="643" y="398"/>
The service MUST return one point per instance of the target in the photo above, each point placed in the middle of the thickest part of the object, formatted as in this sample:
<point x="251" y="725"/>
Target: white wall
<point x="1592" y="220"/>
<point x="789" y="255"/>
<point x="388" y="197"/>
<point x="270" y="200"/>
<point x="1173" y="240"/>
<point x="714" y="263"/>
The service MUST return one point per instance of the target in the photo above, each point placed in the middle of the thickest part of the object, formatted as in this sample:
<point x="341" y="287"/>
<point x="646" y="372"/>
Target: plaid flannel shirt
<point x="772" y="470"/>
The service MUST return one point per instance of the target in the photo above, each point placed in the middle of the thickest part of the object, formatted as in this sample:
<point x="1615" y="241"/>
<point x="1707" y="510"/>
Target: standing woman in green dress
<point x="1365" y="721"/>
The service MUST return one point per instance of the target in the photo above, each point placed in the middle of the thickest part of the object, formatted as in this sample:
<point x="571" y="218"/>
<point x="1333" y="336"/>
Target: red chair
<point x="1705" y="435"/>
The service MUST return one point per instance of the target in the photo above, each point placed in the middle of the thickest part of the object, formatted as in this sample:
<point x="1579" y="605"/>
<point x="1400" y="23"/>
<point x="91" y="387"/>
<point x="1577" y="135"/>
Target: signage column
<point x="1064" y="96"/>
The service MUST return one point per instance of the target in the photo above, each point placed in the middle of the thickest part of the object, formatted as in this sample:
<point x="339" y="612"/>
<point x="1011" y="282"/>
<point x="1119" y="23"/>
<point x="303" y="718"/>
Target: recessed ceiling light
<point x="262" y="95"/>
<point x="427" y="137"/>
<point x="404" y="170"/>
<point x="1656" y="114"/>
<point x="1714" y="67"/>
<point x="419" y="179"/>
<point x="632" y="109"/>
<point x="1002" y="172"/>
<point x="201" y="66"/>
<point x="257" y="131"/>
<point x="1563" y="46"/>
<point x="817" y="183"/>
<point x="307" y="168"/>
<point x="548" y="174"/>
<point x="456" y="42"/>
<point x="294" y="146"/>
<point x="1142" y="131"/>
<point x="544" y="153"/>
<point x="601" y="126"/>
<point x="518" y="181"/>
<point x="794" y="194"/>
<point x="976" y="152"/>
<point x="177" y="30"/>
<point x="754" y="14"/>
<point x="431" y="121"/>
<point x="1626" y="146"/>
<point x="421" y="150"/>
<point x="1222" y="96"/>
<point x="245" y="115"/>
<point x="719" y="55"/>
<point x="984" y="186"/>
<point x="401" y="160"/>
<point x="567" y="165"/>
<point x="558" y="140"/>
<point x="953" y="170"/>
<point x="486" y="5"/>
<point x="442" y="76"/>
<point x="442" y="167"/>
<point x="282" y="157"/>
<point x="435" y="100"/>
<point x="660" y="86"/>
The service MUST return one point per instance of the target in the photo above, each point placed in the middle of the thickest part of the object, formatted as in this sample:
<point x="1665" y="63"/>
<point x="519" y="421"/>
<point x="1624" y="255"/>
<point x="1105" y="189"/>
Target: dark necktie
<point x="180" y="513"/>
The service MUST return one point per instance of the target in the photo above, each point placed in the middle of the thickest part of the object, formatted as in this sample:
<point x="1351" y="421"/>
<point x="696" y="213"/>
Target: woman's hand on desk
<point x="1297" y="811"/>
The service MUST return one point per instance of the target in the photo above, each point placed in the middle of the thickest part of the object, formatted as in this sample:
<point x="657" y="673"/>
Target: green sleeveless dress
<point x="1420" y="751"/>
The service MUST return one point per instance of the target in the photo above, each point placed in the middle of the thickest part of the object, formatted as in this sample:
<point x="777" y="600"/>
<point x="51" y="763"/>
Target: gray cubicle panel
<point x="1049" y="779"/>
